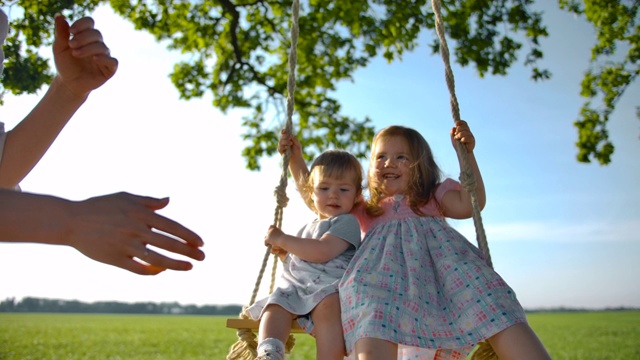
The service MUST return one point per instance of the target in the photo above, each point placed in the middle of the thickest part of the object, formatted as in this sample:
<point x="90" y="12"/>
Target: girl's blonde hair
<point x="425" y="173"/>
<point x="333" y="164"/>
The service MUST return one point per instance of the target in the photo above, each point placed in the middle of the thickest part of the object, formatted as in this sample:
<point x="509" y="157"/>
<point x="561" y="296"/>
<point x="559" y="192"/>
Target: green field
<point x="585" y="335"/>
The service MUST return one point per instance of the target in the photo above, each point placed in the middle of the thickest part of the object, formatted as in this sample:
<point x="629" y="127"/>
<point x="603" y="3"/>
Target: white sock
<point x="272" y="347"/>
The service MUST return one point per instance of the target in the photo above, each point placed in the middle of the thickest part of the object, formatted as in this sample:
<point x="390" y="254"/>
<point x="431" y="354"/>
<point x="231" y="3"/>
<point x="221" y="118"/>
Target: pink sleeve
<point x="446" y="185"/>
<point x="359" y="211"/>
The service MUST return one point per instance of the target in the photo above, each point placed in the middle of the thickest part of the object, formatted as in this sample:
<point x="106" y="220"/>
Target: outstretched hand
<point x="82" y="58"/>
<point x="116" y="230"/>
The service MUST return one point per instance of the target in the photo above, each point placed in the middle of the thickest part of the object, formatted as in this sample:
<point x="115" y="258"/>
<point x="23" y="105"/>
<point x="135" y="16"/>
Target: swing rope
<point x="467" y="179"/>
<point x="246" y="346"/>
<point x="483" y="351"/>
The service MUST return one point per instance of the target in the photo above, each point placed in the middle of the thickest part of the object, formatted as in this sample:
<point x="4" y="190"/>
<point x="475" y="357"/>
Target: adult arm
<point x="83" y="64"/>
<point x="113" y="229"/>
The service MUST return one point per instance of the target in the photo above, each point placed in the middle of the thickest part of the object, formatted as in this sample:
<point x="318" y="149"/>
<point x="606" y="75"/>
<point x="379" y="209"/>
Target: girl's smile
<point x="392" y="165"/>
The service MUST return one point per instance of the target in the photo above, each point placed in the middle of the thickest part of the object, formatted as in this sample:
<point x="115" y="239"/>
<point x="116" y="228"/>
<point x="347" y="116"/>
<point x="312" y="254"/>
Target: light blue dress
<point x="304" y="284"/>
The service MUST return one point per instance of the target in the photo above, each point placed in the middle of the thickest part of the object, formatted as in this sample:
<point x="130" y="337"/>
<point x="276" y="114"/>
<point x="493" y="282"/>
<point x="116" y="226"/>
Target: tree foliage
<point x="238" y="50"/>
<point x="611" y="71"/>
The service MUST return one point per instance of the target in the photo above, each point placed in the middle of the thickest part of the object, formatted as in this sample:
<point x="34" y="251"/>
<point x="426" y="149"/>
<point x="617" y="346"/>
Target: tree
<point x="239" y="48"/>
<point x="610" y="73"/>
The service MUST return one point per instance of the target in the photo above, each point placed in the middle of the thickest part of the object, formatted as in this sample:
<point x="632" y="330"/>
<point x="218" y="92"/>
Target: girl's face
<point x="333" y="197"/>
<point x="392" y="165"/>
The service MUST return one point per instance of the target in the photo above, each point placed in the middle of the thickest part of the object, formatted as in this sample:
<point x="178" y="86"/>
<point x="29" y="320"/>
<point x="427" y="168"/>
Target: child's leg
<point x="518" y="342"/>
<point x="275" y="327"/>
<point x="327" y="326"/>
<point x="375" y="349"/>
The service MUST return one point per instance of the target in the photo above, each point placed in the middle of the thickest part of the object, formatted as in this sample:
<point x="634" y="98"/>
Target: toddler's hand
<point x="273" y="238"/>
<point x="288" y="141"/>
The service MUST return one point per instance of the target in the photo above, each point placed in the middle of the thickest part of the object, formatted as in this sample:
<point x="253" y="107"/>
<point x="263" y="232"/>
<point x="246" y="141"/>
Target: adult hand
<point x="116" y="229"/>
<point x="83" y="61"/>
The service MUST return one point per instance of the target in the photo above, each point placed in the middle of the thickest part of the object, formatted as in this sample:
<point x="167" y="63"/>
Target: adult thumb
<point x="153" y="203"/>
<point x="61" y="34"/>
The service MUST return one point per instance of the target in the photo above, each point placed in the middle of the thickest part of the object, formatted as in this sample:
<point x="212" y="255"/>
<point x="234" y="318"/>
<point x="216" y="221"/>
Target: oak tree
<point x="238" y="52"/>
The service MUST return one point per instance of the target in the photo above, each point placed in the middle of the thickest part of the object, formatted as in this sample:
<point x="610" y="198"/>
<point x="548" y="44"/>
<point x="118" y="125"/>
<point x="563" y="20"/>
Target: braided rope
<point x="483" y="351"/>
<point x="467" y="179"/>
<point x="246" y="346"/>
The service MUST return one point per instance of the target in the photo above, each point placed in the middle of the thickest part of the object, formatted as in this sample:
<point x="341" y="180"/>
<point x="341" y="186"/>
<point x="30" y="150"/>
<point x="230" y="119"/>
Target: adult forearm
<point x="31" y="138"/>
<point x="33" y="218"/>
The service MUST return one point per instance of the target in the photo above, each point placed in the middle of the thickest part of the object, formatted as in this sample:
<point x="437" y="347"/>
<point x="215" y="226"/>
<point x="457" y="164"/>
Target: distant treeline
<point x="567" y="309"/>
<point x="31" y="304"/>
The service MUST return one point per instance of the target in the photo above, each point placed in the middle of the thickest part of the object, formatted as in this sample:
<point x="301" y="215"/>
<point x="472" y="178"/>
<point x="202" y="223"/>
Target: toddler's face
<point x="332" y="197"/>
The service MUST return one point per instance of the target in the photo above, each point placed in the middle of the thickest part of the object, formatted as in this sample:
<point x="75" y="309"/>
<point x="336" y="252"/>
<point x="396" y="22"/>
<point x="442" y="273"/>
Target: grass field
<point x="587" y="335"/>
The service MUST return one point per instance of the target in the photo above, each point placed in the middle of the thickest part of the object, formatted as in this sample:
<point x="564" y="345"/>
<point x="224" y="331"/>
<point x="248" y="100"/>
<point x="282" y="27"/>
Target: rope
<point x="246" y="346"/>
<point x="467" y="178"/>
<point x="484" y="351"/>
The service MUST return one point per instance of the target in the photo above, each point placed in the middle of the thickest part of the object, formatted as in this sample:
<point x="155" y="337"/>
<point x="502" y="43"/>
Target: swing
<point x="246" y="346"/>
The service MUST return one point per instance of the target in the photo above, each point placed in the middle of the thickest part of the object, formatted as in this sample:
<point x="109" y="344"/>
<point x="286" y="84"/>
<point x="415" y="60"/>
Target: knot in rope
<point x="246" y="347"/>
<point x="281" y="195"/>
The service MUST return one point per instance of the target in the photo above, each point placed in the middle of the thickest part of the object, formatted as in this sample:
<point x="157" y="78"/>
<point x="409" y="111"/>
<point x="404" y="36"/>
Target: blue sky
<point x="560" y="232"/>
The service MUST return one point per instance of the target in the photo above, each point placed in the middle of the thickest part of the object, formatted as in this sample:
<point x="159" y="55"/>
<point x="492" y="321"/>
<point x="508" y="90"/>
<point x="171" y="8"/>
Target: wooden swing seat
<point x="255" y="325"/>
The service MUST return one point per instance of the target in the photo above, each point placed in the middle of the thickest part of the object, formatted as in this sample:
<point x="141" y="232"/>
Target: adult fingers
<point x="149" y="202"/>
<point x="146" y="261"/>
<point x="61" y="34"/>
<point x="81" y="25"/>
<point x="140" y="268"/>
<point x="176" y="246"/>
<point x="127" y="260"/>
<point x="106" y="64"/>
<point x="156" y="261"/>
<point x="152" y="220"/>
<point x="89" y="44"/>
<point x="174" y="228"/>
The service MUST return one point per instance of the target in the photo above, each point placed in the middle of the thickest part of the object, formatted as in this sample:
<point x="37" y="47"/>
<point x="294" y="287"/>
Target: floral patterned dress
<point x="304" y="284"/>
<point x="417" y="282"/>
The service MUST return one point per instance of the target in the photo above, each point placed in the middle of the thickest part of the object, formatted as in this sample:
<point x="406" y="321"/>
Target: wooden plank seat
<point x="255" y="325"/>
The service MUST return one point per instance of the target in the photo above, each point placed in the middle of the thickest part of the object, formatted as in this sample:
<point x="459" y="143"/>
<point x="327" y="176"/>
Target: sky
<point x="561" y="233"/>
